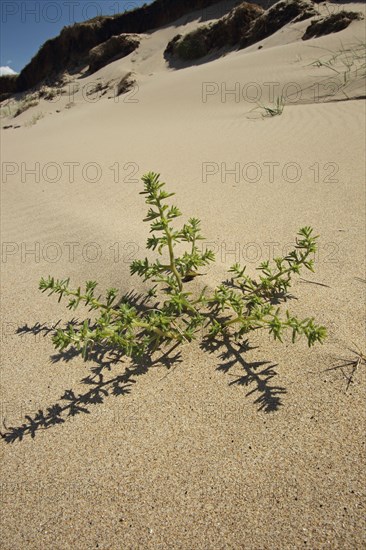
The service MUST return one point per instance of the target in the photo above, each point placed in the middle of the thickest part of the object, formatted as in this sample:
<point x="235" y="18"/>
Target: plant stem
<point x="168" y="234"/>
<point x="172" y="259"/>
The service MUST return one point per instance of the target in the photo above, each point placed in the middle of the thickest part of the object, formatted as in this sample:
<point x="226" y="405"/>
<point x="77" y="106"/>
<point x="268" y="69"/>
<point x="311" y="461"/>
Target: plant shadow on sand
<point x="100" y="386"/>
<point x="257" y="374"/>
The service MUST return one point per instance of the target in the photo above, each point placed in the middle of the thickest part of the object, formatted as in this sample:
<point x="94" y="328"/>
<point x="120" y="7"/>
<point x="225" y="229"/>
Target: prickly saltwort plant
<point x="235" y="308"/>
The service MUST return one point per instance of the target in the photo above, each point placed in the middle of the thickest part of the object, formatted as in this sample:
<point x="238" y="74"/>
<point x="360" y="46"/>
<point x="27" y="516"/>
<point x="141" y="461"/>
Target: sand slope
<point x="190" y="457"/>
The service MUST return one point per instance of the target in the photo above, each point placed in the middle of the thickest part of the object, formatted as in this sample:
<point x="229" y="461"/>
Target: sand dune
<point x="188" y="458"/>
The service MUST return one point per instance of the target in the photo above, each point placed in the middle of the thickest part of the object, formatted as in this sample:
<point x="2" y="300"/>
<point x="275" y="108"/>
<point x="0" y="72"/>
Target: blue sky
<point x="26" y="24"/>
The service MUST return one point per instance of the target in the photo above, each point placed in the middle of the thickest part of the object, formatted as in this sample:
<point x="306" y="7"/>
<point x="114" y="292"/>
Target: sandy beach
<point x="259" y="450"/>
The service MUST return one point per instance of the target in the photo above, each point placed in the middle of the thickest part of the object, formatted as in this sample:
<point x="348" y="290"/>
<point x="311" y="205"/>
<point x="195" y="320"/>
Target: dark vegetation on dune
<point x="246" y="24"/>
<point x="8" y="85"/>
<point x="333" y="23"/>
<point x="114" y="47"/>
<point x="277" y="17"/>
<point x="228" y="31"/>
<point x="70" y="49"/>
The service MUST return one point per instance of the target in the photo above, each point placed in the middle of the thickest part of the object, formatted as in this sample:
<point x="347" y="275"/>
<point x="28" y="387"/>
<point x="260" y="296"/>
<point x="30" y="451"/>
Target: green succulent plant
<point x="233" y="309"/>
